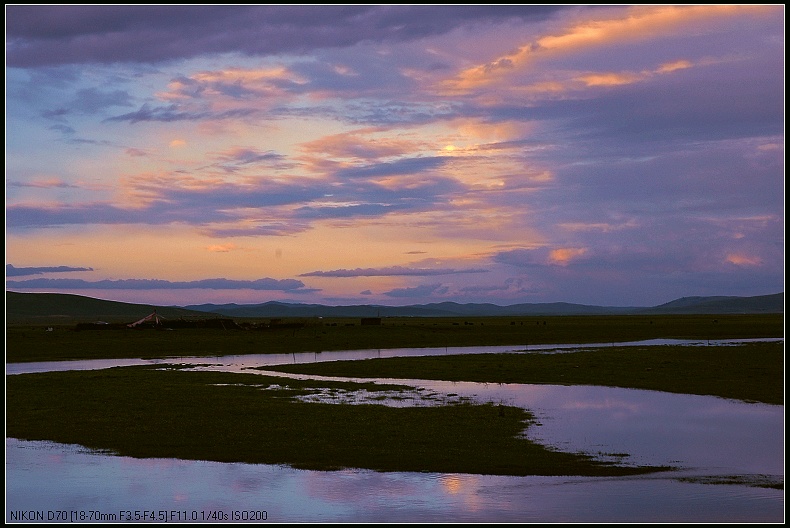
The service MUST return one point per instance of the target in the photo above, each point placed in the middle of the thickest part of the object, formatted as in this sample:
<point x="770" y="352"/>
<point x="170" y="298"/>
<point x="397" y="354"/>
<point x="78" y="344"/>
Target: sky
<point x="395" y="154"/>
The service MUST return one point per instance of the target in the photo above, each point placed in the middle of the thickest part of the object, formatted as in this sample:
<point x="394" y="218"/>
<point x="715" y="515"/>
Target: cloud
<point x="744" y="260"/>
<point x="651" y="137"/>
<point x="391" y="271"/>
<point x="38" y="35"/>
<point x="394" y="168"/>
<point x="51" y="183"/>
<point x="221" y="248"/>
<point x="563" y="256"/>
<point x="174" y="113"/>
<point x="523" y="257"/>
<point x="252" y="206"/>
<point x="11" y="271"/>
<point x="513" y="286"/>
<point x="255" y="229"/>
<point x="425" y="290"/>
<point x="234" y="84"/>
<point x="238" y="159"/>
<point x="91" y="100"/>
<point x="248" y="155"/>
<point x="289" y="285"/>
<point x="37" y="216"/>
<point x="695" y="105"/>
<point x="335" y="209"/>
<point x="360" y="144"/>
<point x="64" y="129"/>
<point x="618" y="27"/>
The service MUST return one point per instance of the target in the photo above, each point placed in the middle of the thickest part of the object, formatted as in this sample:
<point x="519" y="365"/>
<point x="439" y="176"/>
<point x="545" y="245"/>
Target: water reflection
<point x="704" y="436"/>
<point x="256" y="360"/>
<point x="652" y="427"/>
<point x="48" y="477"/>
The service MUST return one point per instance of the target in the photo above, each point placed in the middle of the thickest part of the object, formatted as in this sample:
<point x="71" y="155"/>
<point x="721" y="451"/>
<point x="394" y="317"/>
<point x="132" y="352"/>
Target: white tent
<point x="153" y="318"/>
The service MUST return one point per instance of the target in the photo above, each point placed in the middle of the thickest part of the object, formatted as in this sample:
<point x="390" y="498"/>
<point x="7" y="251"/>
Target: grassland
<point x="145" y="412"/>
<point x="33" y="343"/>
<point x="142" y="412"/>
<point x="751" y="372"/>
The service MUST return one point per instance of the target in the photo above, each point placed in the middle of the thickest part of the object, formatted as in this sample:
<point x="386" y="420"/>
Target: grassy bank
<point x="144" y="412"/>
<point x="751" y="372"/>
<point x="35" y="343"/>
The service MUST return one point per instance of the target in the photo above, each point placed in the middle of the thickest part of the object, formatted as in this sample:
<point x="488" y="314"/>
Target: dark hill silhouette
<point x="49" y="308"/>
<point x="65" y="308"/>
<point x="686" y="305"/>
<point x="722" y="305"/>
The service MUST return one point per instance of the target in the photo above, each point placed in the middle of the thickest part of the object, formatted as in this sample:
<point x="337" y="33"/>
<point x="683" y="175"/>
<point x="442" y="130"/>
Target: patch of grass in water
<point x="752" y="372"/>
<point x="145" y="412"/>
<point x="757" y="481"/>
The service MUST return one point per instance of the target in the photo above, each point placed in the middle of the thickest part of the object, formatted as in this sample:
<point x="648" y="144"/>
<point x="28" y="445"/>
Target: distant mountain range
<point x="686" y="305"/>
<point x="67" y="308"/>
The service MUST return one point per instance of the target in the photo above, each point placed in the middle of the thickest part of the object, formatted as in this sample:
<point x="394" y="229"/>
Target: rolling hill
<point x="686" y="305"/>
<point x="722" y="305"/>
<point x="60" y="308"/>
<point x="63" y="308"/>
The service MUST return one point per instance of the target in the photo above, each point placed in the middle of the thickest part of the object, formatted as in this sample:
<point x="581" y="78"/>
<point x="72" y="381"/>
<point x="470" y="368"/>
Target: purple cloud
<point x="217" y="205"/>
<point x="172" y="113"/>
<point x="289" y="285"/>
<point x="425" y="290"/>
<point x="11" y="271"/>
<point x="39" y="35"/>
<point x="399" y="167"/>
<point x="391" y="271"/>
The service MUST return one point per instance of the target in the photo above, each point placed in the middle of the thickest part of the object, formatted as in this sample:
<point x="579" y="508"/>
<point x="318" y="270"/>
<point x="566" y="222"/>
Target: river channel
<point x="711" y="440"/>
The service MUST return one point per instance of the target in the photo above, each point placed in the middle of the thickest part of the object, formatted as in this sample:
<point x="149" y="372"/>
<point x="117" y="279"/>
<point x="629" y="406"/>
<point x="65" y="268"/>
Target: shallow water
<point x="44" y="477"/>
<point x="255" y="360"/>
<point x="705" y="437"/>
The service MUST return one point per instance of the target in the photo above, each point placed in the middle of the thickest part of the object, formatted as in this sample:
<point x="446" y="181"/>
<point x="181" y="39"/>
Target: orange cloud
<point x="770" y="146"/>
<point x="615" y="79"/>
<point x="610" y="79"/>
<point x="359" y="144"/>
<point x="564" y="256"/>
<point x="140" y="190"/>
<point x="219" y="83"/>
<point x="221" y="248"/>
<point x="644" y="22"/>
<point x="485" y="74"/>
<point x="602" y="227"/>
<point x="672" y="66"/>
<point x="743" y="260"/>
<point x="233" y="75"/>
<point x="344" y="70"/>
<point x="638" y="23"/>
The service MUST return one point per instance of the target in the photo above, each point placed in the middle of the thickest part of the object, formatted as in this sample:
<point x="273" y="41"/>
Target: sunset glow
<point x="617" y="155"/>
